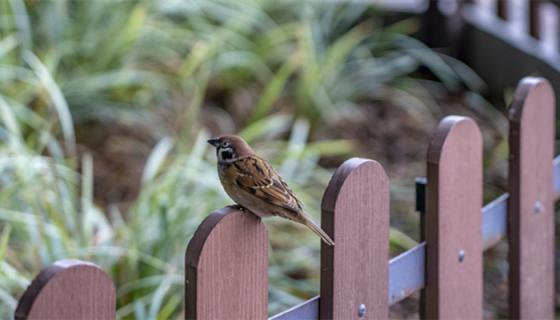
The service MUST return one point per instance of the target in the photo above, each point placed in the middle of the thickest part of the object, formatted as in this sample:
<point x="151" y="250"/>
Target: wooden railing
<point x="226" y="263"/>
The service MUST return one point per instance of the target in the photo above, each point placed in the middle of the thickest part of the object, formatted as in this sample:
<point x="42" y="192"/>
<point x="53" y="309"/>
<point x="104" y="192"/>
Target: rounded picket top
<point x="534" y="97"/>
<point x="69" y="289"/>
<point x="452" y="133"/>
<point x="355" y="214"/>
<point x="226" y="268"/>
<point x="531" y="200"/>
<point x="452" y="225"/>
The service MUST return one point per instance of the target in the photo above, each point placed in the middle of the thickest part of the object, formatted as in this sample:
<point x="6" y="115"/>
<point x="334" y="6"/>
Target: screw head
<point x="538" y="207"/>
<point x="362" y="310"/>
<point x="461" y="255"/>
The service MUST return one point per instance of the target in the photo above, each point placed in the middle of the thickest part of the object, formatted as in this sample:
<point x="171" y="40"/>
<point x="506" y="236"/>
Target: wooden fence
<point x="226" y="263"/>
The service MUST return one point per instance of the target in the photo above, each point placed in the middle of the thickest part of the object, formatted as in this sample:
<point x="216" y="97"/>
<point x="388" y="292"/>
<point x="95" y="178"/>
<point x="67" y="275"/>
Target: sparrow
<point x="252" y="183"/>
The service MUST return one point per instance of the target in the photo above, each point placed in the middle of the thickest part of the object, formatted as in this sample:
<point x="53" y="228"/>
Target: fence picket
<point x="68" y="289"/>
<point x="226" y="268"/>
<point x="354" y="273"/>
<point x="531" y="202"/>
<point x="453" y="222"/>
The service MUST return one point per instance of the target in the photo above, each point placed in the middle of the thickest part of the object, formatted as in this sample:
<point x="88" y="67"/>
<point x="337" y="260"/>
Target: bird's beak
<point x="214" y="141"/>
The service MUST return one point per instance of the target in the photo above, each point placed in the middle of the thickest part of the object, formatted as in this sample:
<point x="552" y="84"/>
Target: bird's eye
<point x="225" y="144"/>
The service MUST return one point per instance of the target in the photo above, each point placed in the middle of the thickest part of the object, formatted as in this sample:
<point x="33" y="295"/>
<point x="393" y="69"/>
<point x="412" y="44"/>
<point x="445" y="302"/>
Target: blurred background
<point x="105" y="108"/>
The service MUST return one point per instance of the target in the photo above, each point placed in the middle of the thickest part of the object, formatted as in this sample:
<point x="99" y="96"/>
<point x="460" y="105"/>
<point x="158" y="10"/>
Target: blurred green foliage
<point x="273" y="70"/>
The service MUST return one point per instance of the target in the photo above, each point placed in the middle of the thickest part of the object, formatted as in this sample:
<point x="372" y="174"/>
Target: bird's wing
<point x="256" y="176"/>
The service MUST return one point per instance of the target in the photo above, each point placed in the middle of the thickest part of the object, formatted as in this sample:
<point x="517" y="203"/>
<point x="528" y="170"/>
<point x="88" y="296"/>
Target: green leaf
<point x="273" y="90"/>
<point x="156" y="159"/>
<point x="4" y="240"/>
<point x="57" y="98"/>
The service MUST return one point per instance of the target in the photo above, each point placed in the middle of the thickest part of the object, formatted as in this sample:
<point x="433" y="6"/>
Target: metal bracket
<point x="421" y="194"/>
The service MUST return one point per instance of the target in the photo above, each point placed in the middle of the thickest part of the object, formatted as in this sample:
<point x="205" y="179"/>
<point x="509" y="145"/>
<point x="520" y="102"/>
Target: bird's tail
<point x="315" y="228"/>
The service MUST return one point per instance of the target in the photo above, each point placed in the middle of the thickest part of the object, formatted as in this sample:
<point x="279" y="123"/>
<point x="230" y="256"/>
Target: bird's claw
<point x="238" y="207"/>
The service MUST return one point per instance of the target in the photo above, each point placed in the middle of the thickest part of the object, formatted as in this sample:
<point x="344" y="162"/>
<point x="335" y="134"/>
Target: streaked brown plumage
<point x="252" y="183"/>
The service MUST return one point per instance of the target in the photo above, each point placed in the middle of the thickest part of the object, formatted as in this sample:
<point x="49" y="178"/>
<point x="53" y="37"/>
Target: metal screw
<point x="362" y="310"/>
<point x="461" y="255"/>
<point x="538" y="207"/>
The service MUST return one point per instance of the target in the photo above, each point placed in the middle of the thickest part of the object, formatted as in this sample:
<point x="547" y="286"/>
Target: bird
<point x="252" y="183"/>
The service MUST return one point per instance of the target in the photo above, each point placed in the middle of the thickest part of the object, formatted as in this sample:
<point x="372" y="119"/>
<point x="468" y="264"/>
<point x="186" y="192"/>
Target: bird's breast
<point x="228" y="176"/>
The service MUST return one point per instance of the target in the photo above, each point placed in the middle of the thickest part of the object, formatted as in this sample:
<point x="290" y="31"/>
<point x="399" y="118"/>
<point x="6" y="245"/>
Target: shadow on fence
<point x="226" y="263"/>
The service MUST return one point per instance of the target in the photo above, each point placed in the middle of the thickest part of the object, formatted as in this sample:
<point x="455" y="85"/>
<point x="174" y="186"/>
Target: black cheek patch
<point x="226" y="155"/>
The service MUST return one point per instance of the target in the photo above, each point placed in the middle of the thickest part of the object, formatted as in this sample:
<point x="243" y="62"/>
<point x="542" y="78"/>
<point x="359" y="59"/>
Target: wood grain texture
<point x="226" y="266"/>
<point x="69" y="289"/>
<point x="531" y="202"/>
<point x="355" y="213"/>
<point x="453" y="222"/>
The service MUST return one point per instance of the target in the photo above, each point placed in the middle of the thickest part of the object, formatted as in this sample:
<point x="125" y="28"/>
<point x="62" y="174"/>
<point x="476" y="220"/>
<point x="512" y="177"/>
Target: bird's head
<point x="230" y="147"/>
